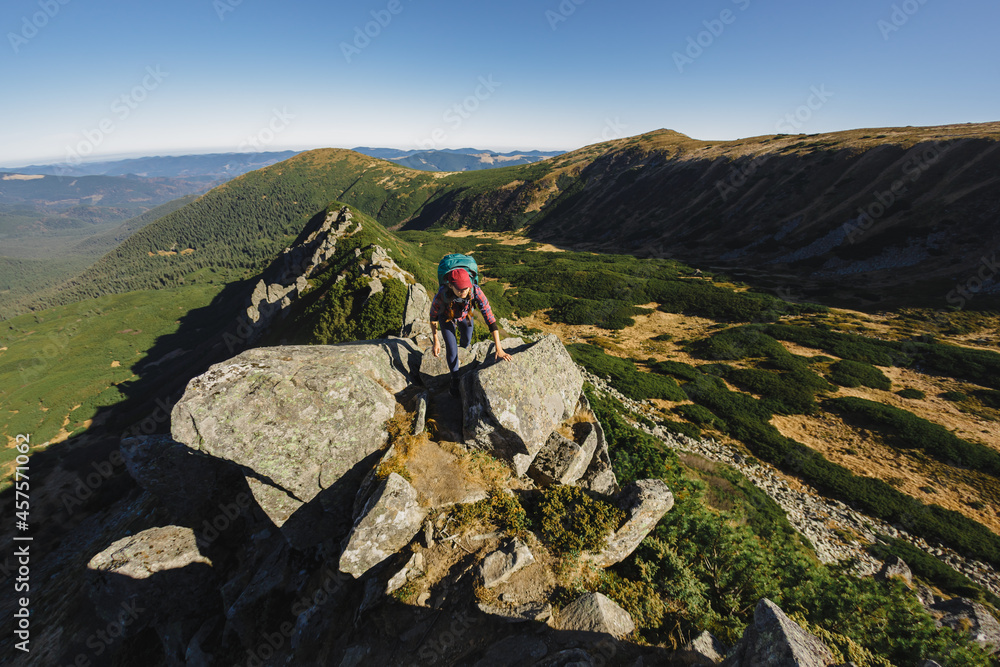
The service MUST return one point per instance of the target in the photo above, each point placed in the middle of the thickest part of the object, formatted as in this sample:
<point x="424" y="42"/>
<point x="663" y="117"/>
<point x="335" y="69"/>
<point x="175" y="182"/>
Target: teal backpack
<point x="458" y="261"/>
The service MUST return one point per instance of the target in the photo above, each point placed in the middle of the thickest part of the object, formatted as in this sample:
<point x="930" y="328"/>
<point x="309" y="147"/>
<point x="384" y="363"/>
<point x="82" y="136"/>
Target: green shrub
<point x="501" y="509"/>
<point x="906" y="430"/>
<point x="675" y="368"/>
<point x="955" y="396"/>
<point x="634" y="454"/>
<point x="849" y="373"/>
<point x="625" y="377"/>
<point x="663" y="337"/>
<point x="574" y="521"/>
<point x="497" y="297"/>
<point x="909" y="392"/>
<point x="698" y="414"/>
<point x="932" y="569"/>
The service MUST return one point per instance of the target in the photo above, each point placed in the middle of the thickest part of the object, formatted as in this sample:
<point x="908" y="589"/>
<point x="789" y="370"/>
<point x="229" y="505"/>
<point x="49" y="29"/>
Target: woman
<point x="451" y="307"/>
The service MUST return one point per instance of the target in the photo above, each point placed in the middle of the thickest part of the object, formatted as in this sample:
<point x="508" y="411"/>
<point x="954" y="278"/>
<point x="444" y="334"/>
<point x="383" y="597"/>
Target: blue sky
<point x="109" y="78"/>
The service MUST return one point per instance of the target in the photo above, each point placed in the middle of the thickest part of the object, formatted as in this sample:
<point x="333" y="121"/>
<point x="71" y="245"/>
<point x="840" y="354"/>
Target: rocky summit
<point x="350" y="535"/>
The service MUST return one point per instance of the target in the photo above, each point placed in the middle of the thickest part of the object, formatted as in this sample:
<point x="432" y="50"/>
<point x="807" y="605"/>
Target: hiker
<point x="452" y="305"/>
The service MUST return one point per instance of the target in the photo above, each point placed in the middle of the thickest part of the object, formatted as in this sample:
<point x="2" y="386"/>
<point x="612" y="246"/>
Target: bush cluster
<point x="849" y="373"/>
<point x="906" y="430"/>
<point x="624" y="375"/>
<point x="573" y="520"/>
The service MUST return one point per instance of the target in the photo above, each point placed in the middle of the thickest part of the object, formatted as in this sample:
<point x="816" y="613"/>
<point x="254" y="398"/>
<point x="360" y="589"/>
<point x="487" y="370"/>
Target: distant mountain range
<point x="456" y="159"/>
<point x="215" y="166"/>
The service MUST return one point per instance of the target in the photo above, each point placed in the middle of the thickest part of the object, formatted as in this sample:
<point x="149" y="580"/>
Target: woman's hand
<point x="502" y="355"/>
<point x="437" y="347"/>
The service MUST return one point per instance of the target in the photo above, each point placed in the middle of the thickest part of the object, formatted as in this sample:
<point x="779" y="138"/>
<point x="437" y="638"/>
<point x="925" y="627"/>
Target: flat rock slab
<point x="595" y="612"/>
<point x="511" y="407"/>
<point x="498" y="567"/>
<point x="390" y="520"/>
<point x="296" y="418"/>
<point x="644" y="502"/>
<point x="157" y="572"/>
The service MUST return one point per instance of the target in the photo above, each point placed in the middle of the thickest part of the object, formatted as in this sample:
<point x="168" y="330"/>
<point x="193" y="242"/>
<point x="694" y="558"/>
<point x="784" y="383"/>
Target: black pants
<point x="450" y="343"/>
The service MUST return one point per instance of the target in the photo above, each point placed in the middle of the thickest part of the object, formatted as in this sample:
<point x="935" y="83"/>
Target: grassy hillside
<point x="53" y="259"/>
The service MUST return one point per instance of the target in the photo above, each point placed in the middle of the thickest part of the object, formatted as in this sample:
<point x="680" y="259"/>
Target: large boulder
<point x="595" y="612"/>
<point x="296" y="418"/>
<point x="965" y="615"/>
<point x="388" y="522"/>
<point x="511" y="407"/>
<point x="644" y="502"/>
<point x="774" y="640"/>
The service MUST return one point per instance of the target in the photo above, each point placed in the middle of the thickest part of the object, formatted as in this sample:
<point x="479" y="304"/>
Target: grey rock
<point x="295" y="418"/>
<point x="153" y="577"/>
<point x="513" y="651"/>
<point x="561" y="460"/>
<point x="254" y="588"/>
<point x="595" y="612"/>
<point x="534" y="611"/>
<point x="421" y="422"/>
<point x="775" y="640"/>
<point x="573" y="657"/>
<point x="416" y="311"/>
<point x="704" y="649"/>
<point x="511" y="408"/>
<point x="964" y="615"/>
<point x="644" y="502"/>
<point x="191" y="485"/>
<point x="413" y="568"/>
<point x="498" y="567"/>
<point x="599" y="476"/>
<point x="895" y="566"/>
<point x="390" y="520"/>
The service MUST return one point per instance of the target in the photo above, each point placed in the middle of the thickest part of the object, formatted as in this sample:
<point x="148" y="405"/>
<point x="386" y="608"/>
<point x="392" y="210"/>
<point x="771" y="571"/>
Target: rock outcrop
<point x="296" y="419"/>
<point x="703" y="650"/>
<point x="290" y="273"/>
<point x="775" y="640"/>
<point x="964" y="615"/>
